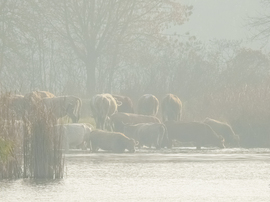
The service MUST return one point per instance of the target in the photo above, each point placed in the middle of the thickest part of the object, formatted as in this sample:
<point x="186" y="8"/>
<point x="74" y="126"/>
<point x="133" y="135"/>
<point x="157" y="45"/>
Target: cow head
<point x="221" y="142"/>
<point x="131" y="143"/>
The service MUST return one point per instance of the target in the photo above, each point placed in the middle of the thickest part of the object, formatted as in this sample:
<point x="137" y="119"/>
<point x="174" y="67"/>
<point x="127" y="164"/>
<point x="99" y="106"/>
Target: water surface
<point x="182" y="174"/>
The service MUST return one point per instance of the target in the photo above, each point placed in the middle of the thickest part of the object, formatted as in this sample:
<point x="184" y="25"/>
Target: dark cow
<point x="111" y="141"/>
<point x="171" y="108"/>
<point x="120" y="119"/>
<point x="64" y="106"/>
<point x="127" y="104"/>
<point x="103" y="106"/>
<point x="200" y="134"/>
<point x="148" y="105"/>
<point x="147" y="134"/>
<point x="225" y="130"/>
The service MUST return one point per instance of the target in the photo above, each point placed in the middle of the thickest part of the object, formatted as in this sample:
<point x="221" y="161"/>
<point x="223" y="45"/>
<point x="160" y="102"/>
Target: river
<point x="180" y="174"/>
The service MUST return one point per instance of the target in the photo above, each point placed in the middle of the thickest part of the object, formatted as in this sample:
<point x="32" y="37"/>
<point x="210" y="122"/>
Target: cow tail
<point x="78" y="108"/>
<point x="165" y="139"/>
<point x="119" y="103"/>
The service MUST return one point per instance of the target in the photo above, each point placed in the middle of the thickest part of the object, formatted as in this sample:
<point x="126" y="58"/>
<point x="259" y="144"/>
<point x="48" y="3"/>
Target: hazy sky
<point x="222" y="19"/>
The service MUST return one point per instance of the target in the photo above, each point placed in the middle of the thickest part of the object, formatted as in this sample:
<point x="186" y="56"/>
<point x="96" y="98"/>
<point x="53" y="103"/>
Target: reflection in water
<point x="177" y="175"/>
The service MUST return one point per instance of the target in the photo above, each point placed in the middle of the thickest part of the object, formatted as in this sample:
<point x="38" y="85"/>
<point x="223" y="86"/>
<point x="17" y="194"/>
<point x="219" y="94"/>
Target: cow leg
<point x="178" y="117"/>
<point x="108" y="124"/>
<point x="169" y="143"/>
<point x="73" y="117"/>
<point x="198" y="147"/>
<point x="100" y="123"/>
<point x="94" y="149"/>
<point x="66" y="147"/>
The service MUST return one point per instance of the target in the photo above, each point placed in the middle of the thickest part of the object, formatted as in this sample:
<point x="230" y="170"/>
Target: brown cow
<point x="127" y="104"/>
<point x="147" y="134"/>
<point x="148" y="105"/>
<point x="64" y="106"/>
<point x="111" y="141"/>
<point x="33" y="98"/>
<point x="225" y="130"/>
<point x="38" y="95"/>
<point x="200" y="134"/>
<point x="171" y="108"/>
<point x="120" y="119"/>
<point x="103" y="106"/>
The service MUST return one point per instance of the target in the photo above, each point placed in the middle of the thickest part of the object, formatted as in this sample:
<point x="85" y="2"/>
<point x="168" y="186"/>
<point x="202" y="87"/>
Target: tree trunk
<point x="112" y="69"/>
<point x="91" y="63"/>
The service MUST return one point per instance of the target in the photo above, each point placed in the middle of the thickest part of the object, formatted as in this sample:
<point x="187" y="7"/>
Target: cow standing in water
<point x="171" y="108"/>
<point x="148" y="105"/>
<point x="147" y="134"/>
<point x="225" y="130"/>
<point x="111" y="141"/>
<point x="200" y="134"/>
<point x="103" y="106"/>
<point x="74" y="135"/>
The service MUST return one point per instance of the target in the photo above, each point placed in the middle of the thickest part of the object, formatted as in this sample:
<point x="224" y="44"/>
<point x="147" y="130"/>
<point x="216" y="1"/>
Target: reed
<point x="43" y="147"/>
<point x="10" y="143"/>
<point x="33" y="150"/>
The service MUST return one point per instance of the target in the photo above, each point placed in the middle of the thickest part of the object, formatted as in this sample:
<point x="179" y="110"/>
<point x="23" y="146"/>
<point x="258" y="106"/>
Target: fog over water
<point x="169" y="175"/>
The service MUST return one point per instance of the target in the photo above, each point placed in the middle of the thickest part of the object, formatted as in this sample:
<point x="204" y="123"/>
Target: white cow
<point x="74" y="135"/>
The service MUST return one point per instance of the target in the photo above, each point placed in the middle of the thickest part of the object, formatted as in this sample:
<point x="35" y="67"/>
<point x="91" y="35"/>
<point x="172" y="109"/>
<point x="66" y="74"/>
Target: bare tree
<point x="97" y="27"/>
<point x="261" y="24"/>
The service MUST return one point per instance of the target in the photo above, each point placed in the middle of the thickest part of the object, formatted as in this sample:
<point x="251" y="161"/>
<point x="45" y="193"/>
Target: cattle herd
<point x="119" y="127"/>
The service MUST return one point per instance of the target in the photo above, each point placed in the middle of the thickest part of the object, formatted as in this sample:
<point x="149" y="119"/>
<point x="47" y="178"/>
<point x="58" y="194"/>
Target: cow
<point x="103" y="106"/>
<point x="148" y="105"/>
<point x="147" y="134"/>
<point x="120" y="119"/>
<point x="73" y="135"/>
<point x="127" y="104"/>
<point x="26" y="103"/>
<point x="38" y="95"/>
<point x="171" y="108"/>
<point x="64" y="106"/>
<point x="111" y="141"/>
<point x="200" y="134"/>
<point x="224" y="130"/>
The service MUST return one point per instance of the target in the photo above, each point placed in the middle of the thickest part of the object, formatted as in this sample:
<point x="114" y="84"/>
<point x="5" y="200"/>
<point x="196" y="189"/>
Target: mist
<point x="155" y="98"/>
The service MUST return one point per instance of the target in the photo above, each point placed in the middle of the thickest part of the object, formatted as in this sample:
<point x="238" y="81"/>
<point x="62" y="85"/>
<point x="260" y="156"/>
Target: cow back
<point x="120" y="119"/>
<point x="171" y="108"/>
<point x="126" y="104"/>
<point x="148" y="105"/>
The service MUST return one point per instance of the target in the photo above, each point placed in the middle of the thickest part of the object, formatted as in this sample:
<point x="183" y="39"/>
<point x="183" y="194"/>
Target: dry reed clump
<point x="43" y="147"/>
<point x="29" y="147"/>
<point x="10" y="142"/>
